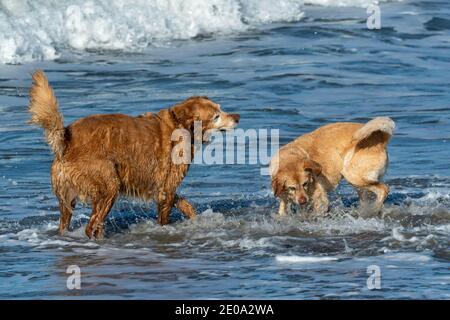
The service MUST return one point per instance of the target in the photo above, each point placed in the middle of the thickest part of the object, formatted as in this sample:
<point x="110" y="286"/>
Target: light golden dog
<point x="305" y="170"/>
<point x="100" y="157"/>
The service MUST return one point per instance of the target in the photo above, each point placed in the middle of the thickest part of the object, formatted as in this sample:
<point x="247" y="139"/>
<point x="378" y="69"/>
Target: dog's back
<point x="327" y="146"/>
<point x="354" y="151"/>
<point x="111" y="135"/>
<point x="128" y="143"/>
<point x="339" y="145"/>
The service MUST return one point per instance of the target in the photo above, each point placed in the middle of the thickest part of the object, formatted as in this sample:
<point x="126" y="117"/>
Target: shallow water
<point x="293" y="76"/>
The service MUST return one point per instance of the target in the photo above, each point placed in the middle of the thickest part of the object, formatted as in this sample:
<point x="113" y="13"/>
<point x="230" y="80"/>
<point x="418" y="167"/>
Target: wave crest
<point x="40" y="30"/>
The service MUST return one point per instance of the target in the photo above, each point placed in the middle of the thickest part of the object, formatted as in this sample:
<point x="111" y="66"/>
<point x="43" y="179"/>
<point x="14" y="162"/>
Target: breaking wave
<point x="43" y="30"/>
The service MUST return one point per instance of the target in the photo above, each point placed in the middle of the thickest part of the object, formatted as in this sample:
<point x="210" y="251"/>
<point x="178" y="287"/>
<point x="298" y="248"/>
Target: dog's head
<point x="204" y="110"/>
<point x="294" y="179"/>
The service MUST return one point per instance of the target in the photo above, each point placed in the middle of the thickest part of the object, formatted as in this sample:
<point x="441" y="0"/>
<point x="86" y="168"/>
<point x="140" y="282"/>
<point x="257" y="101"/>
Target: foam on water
<point x="406" y="256"/>
<point x="34" y="30"/>
<point x="253" y="229"/>
<point x="299" y="259"/>
<point x="38" y="30"/>
<point x="342" y="3"/>
<point x="251" y="235"/>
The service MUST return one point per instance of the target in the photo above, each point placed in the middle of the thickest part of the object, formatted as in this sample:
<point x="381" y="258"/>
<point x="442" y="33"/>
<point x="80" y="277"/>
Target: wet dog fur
<point x="304" y="171"/>
<point x="101" y="157"/>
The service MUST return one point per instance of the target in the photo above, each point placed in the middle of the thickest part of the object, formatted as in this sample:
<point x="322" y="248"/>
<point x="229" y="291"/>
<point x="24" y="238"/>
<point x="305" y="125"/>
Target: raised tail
<point x="45" y="112"/>
<point x="379" y="129"/>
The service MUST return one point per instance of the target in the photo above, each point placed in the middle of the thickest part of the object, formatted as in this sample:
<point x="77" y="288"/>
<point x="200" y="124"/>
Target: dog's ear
<point x="183" y="114"/>
<point x="277" y="186"/>
<point x="312" y="167"/>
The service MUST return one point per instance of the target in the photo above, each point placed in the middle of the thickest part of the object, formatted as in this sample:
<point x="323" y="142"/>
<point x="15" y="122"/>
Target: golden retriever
<point x="100" y="157"/>
<point x="305" y="170"/>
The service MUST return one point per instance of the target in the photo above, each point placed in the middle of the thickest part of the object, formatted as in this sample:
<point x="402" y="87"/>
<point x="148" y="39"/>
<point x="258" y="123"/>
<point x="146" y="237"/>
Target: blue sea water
<point x="289" y="67"/>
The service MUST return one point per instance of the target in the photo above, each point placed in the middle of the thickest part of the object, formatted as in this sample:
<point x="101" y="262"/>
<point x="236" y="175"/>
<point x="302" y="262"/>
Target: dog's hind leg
<point x="369" y="208"/>
<point x="185" y="207"/>
<point x="67" y="200"/>
<point x="66" y="210"/>
<point x="65" y="217"/>
<point x="381" y="190"/>
<point x="100" y="210"/>
<point x="363" y="196"/>
<point x="101" y="184"/>
<point x="364" y="169"/>
<point x="65" y="193"/>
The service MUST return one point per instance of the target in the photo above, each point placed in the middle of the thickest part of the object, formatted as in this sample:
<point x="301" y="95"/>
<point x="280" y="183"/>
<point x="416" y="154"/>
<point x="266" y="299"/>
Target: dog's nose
<point x="235" y="117"/>
<point x="302" y="200"/>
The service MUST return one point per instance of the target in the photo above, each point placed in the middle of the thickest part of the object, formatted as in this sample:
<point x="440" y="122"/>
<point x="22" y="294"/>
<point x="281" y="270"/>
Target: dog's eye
<point x="216" y="117"/>
<point x="291" y="188"/>
<point x="305" y="184"/>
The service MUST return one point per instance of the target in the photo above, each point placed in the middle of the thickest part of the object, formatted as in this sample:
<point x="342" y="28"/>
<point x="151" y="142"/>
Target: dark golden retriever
<point x="101" y="157"/>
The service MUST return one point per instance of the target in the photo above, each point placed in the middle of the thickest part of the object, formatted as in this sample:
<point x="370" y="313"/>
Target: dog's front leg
<point x="282" y="208"/>
<point x="185" y="207"/>
<point x="165" y="204"/>
<point x="320" y="200"/>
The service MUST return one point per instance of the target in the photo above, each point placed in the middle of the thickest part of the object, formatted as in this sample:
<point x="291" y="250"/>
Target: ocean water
<point x="280" y="64"/>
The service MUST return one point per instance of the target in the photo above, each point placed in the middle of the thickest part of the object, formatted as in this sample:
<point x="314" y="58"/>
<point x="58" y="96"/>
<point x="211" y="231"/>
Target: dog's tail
<point x="45" y="113"/>
<point x="380" y="130"/>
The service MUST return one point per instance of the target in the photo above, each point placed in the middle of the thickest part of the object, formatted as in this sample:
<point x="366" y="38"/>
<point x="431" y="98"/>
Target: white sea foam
<point x="406" y="256"/>
<point x="44" y="30"/>
<point x="343" y="3"/>
<point x="249" y="244"/>
<point x="303" y="259"/>
<point x="397" y="235"/>
<point x="421" y="226"/>
<point x="39" y="237"/>
<point x="40" y="30"/>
